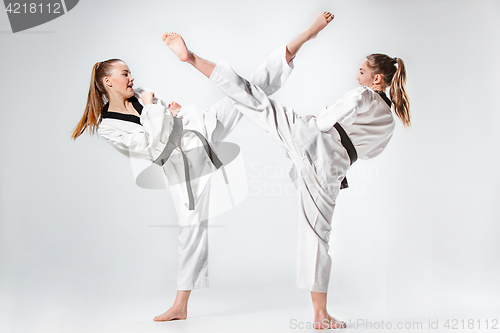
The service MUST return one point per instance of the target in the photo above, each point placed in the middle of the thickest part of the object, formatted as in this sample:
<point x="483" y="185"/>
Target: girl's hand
<point x="147" y="97"/>
<point x="175" y="108"/>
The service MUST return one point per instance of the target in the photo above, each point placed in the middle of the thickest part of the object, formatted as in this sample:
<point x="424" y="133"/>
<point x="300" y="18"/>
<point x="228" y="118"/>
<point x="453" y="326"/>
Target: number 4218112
<point x="33" y="8"/>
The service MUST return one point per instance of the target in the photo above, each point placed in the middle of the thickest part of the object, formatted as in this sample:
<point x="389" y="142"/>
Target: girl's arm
<point x="346" y="109"/>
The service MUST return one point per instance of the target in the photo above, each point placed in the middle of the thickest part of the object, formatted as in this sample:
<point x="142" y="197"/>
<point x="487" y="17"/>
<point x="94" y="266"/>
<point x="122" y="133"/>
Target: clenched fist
<point x="147" y="97"/>
<point x="175" y="108"/>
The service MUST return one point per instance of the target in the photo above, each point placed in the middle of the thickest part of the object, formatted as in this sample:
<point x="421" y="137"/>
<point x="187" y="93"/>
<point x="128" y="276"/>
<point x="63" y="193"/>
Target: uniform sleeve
<point x="346" y="109"/>
<point x="146" y="141"/>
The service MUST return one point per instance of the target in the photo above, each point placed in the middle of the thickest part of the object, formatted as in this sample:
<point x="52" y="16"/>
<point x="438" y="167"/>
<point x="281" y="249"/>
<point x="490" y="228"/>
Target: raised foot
<point x="177" y="45"/>
<point x="172" y="314"/>
<point x="328" y="322"/>
<point x="319" y="23"/>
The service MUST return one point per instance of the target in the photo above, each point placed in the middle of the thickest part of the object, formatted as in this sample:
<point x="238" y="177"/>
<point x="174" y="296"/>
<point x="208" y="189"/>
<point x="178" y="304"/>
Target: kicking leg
<point x="319" y="23"/>
<point x="273" y="73"/>
<point x="178" y="46"/>
<point x="270" y="77"/>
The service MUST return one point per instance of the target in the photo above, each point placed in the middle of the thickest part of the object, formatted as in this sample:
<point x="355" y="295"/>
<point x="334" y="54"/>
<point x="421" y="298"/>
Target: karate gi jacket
<point x="143" y="142"/>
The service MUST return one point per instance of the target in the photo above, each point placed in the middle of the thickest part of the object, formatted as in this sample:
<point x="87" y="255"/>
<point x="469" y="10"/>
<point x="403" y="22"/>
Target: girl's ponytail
<point x="95" y="99"/>
<point x="395" y="78"/>
<point x="398" y="94"/>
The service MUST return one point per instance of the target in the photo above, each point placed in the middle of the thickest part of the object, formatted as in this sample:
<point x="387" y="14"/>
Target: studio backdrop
<point x="417" y="228"/>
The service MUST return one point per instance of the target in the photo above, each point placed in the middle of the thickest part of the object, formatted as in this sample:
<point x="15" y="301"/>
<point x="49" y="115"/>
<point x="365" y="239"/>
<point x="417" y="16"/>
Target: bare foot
<point x="319" y="23"/>
<point x="176" y="44"/>
<point x="174" y="313"/>
<point x="328" y="322"/>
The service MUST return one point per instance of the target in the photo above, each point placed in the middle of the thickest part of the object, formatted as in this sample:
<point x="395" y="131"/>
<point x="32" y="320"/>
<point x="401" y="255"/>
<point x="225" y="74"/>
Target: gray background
<point x="414" y="238"/>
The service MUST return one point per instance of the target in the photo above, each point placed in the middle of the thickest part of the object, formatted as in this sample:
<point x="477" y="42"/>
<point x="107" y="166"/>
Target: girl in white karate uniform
<point x="139" y="125"/>
<point x="321" y="147"/>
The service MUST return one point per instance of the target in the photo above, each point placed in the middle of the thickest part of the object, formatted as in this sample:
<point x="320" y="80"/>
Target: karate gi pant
<point x="320" y="162"/>
<point x="193" y="224"/>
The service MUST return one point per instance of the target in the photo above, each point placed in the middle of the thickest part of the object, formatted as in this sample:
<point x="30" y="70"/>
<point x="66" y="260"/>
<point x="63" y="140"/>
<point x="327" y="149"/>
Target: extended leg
<point x="320" y="22"/>
<point x="178" y="46"/>
<point x="254" y="103"/>
<point x="273" y="118"/>
<point x="270" y="77"/>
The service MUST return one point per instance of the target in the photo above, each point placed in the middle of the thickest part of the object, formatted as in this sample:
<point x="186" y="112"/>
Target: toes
<point x="328" y="16"/>
<point x="168" y="35"/>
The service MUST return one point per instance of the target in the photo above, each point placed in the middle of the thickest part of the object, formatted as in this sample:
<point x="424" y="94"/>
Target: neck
<point x="376" y="87"/>
<point x="117" y="102"/>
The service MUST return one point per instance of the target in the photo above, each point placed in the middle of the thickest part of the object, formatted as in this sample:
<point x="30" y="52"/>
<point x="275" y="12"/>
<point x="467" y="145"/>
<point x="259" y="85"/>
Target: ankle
<point x="192" y="58"/>
<point x="179" y="307"/>
<point x="321" y="313"/>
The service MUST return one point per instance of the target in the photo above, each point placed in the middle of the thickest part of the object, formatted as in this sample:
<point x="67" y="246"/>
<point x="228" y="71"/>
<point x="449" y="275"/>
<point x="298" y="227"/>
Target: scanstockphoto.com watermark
<point x="274" y="180"/>
<point x="432" y="324"/>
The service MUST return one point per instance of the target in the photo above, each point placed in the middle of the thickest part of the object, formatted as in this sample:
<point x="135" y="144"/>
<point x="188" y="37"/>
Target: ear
<point x="377" y="79"/>
<point x="107" y="81"/>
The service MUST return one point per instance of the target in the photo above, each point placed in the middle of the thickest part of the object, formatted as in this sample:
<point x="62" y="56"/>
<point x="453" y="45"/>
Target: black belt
<point x="351" y="150"/>
<point x="347" y="143"/>
<point x="174" y="141"/>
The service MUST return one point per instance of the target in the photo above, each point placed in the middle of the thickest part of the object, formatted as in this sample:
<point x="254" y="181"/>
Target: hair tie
<point x="395" y="60"/>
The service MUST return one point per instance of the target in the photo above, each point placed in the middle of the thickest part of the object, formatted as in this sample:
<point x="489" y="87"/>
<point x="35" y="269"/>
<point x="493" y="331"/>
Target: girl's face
<point x="121" y="81"/>
<point x="365" y="75"/>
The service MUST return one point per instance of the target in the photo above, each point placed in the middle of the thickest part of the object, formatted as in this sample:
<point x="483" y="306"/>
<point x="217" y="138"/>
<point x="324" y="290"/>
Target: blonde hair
<point x="393" y="72"/>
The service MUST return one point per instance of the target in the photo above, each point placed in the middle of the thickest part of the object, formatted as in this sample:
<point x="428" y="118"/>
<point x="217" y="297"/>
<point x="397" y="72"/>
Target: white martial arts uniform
<point x="143" y="139"/>
<point x="320" y="161"/>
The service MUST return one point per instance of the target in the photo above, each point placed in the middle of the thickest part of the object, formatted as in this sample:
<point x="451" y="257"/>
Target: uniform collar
<point x="384" y="97"/>
<point x="121" y="116"/>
